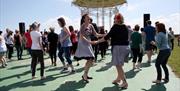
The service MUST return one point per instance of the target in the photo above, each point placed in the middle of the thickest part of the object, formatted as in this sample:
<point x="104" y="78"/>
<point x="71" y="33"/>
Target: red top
<point x="73" y="37"/>
<point x="28" y="40"/>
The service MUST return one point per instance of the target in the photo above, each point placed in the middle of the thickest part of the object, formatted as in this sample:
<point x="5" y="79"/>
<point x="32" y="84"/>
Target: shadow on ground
<point x="104" y="68"/>
<point x="17" y="67"/>
<point x="113" y="88"/>
<point x="155" y="87"/>
<point x="131" y="73"/>
<point x="34" y="83"/>
<point x="19" y="75"/>
<point x="71" y="86"/>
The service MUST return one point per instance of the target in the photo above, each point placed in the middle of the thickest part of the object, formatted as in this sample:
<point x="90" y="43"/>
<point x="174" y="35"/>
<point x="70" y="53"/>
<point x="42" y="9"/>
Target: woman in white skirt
<point x="120" y="49"/>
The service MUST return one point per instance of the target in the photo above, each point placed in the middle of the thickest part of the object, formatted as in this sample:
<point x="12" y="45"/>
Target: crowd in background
<point x="90" y="41"/>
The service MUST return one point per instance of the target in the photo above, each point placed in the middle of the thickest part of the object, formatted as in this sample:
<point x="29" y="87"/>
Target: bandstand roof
<point x="98" y="3"/>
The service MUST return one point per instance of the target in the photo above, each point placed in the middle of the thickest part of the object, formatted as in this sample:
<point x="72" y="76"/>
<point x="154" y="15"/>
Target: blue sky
<point x="47" y="11"/>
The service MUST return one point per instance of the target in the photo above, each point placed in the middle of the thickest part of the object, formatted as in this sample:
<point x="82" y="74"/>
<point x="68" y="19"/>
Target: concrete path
<point x="17" y="77"/>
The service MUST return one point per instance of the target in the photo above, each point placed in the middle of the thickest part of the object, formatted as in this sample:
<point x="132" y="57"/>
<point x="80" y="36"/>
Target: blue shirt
<point x="67" y="41"/>
<point x="150" y="33"/>
<point x="162" y="41"/>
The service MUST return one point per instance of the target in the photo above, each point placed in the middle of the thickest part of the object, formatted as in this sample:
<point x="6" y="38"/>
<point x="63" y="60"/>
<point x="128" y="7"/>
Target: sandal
<point x="124" y="86"/>
<point x="85" y="80"/>
<point x="116" y="81"/>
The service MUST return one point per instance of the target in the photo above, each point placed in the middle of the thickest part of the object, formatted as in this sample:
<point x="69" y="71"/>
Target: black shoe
<point x="77" y="64"/>
<point x="54" y="64"/>
<point x="20" y="59"/>
<point x="73" y="71"/>
<point x="89" y="77"/>
<point x="64" y="69"/>
<point x="3" y="66"/>
<point x="149" y="61"/>
<point x="85" y="80"/>
<point x="165" y="80"/>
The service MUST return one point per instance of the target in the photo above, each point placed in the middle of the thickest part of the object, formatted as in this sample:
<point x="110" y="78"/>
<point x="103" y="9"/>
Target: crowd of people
<point x="88" y="42"/>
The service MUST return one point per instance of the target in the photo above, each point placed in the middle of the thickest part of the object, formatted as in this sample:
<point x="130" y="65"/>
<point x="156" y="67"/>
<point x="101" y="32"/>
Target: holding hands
<point x="153" y="42"/>
<point x="94" y="42"/>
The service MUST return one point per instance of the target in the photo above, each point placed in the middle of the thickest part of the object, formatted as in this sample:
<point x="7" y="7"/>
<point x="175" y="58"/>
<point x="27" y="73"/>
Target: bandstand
<point x="99" y="8"/>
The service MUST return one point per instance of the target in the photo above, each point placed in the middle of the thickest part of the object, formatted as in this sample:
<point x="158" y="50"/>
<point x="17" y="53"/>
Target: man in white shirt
<point x="37" y="50"/>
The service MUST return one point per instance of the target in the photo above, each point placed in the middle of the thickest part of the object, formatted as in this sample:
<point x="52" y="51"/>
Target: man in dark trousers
<point x="150" y="36"/>
<point x="52" y="44"/>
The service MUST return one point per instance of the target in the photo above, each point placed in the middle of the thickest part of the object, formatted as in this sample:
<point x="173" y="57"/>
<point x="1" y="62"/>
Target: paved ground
<point x="17" y="77"/>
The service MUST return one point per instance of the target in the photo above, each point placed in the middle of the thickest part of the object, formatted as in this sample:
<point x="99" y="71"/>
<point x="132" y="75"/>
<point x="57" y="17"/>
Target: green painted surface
<point x="17" y="77"/>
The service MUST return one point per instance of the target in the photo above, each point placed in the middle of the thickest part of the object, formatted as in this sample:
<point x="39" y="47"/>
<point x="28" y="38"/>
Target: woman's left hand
<point x="94" y="42"/>
<point x="153" y="42"/>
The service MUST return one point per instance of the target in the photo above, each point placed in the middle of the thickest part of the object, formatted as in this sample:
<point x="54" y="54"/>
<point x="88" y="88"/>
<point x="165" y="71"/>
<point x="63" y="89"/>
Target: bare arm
<point x="40" y="43"/>
<point x="20" y="38"/>
<point x="84" y="38"/>
<point x="100" y="40"/>
<point x="97" y="34"/>
<point x="68" y="34"/>
<point x="0" y="39"/>
<point x="12" y="39"/>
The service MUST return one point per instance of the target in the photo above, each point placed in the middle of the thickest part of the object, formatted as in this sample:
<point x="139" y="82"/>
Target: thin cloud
<point x="172" y="20"/>
<point x="132" y="7"/>
<point x="52" y="22"/>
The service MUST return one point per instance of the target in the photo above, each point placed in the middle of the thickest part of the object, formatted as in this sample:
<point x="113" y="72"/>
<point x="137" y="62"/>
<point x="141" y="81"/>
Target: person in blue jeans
<point x="65" y="42"/>
<point x="164" y="53"/>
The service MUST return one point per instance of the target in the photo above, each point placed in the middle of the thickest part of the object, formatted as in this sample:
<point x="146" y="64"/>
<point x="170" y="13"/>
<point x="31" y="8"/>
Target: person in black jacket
<point x="94" y="38"/>
<point x="52" y="45"/>
<point x="120" y="49"/>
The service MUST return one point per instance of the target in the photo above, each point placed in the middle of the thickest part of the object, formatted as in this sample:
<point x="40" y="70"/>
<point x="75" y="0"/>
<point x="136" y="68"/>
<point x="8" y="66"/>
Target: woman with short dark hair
<point x="18" y="44"/>
<point x="136" y="47"/>
<point x="74" y="40"/>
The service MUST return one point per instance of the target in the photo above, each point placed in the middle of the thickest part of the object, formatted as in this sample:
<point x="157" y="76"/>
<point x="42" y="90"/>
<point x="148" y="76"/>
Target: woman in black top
<point x="103" y="45"/>
<point x="120" y="49"/>
<point x="18" y="44"/>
